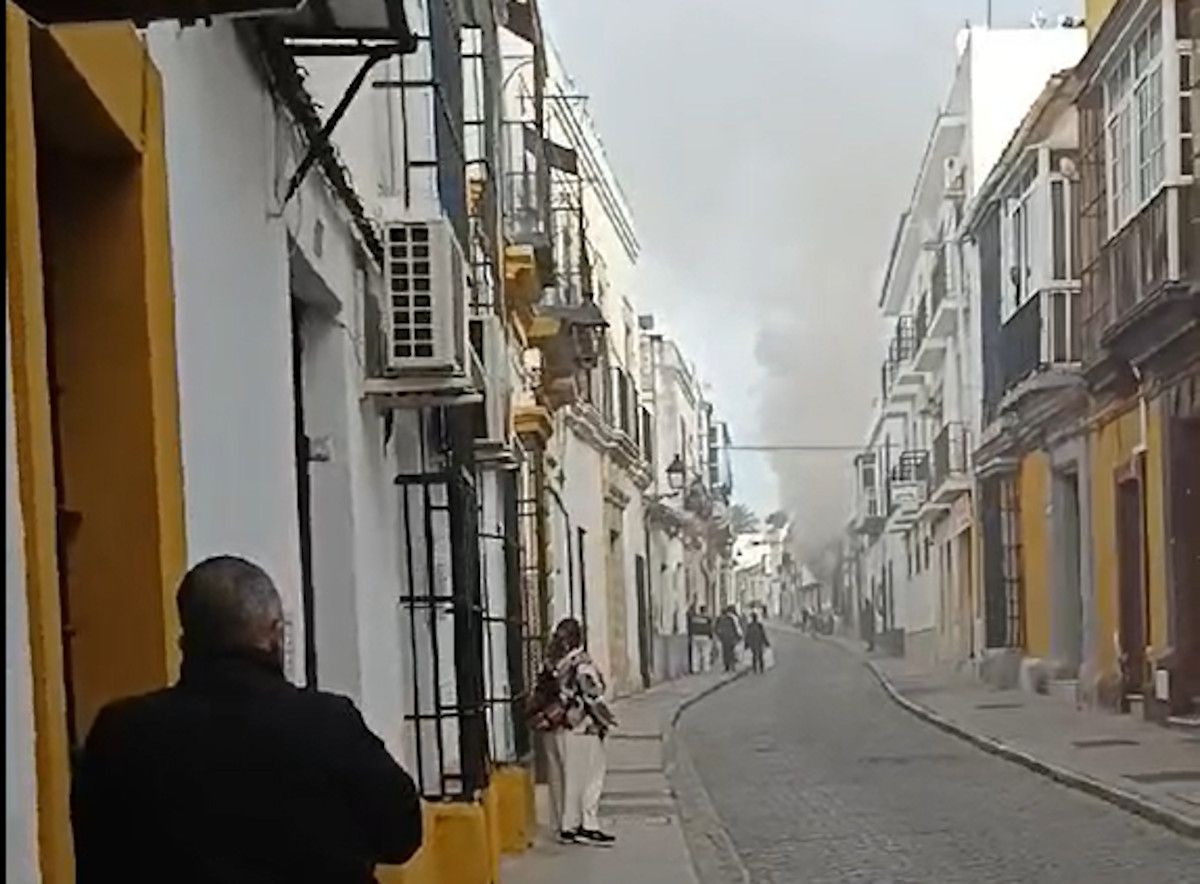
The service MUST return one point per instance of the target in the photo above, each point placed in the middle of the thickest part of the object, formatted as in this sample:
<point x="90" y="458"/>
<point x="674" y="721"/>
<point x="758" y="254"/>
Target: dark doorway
<point x="1069" y="600"/>
<point x="1184" y="545"/>
<point x="304" y="498"/>
<point x="645" y="650"/>
<point x="1131" y="585"/>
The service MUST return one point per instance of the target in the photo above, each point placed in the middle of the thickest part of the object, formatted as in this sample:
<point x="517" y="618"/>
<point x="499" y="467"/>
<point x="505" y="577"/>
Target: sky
<point x="767" y="148"/>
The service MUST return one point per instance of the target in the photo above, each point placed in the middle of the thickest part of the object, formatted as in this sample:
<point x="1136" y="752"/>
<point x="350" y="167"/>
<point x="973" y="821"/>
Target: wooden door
<point x="1184" y="545"/>
<point x="1131" y="584"/>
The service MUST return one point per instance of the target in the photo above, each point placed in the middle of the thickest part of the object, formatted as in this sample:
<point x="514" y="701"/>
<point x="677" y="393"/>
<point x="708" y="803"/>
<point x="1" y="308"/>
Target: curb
<point x="696" y="698"/>
<point x="1127" y="801"/>
<point x="710" y="849"/>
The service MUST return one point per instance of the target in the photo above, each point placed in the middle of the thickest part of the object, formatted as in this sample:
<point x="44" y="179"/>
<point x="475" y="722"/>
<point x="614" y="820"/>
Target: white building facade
<point x="914" y="479"/>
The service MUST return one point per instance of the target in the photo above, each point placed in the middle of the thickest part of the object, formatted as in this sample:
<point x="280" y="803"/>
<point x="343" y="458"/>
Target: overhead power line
<point x="797" y="447"/>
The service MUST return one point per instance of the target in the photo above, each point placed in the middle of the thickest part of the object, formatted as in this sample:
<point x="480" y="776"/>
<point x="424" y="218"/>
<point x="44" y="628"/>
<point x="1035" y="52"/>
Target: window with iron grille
<point x="503" y="614"/>
<point x="440" y="615"/>
<point x="1004" y="593"/>
<point x="535" y="589"/>
<point x="1010" y="540"/>
<point x="1187" y="85"/>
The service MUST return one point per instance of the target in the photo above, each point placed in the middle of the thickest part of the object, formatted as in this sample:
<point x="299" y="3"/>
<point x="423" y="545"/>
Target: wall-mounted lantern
<point x="587" y="331"/>
<point x="676" y="474"/>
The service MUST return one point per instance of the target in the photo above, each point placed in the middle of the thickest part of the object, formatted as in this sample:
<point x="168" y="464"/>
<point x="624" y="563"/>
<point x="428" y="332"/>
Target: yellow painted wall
<point x="86" y="239"/>
<point x="513" y="785"/>
<point x="1112" y="444"/>
<point x="456" y="850"/>
<point x="31" y="401"/>
<point x="1095" y="11"/>
<point x="1033" y="488"/>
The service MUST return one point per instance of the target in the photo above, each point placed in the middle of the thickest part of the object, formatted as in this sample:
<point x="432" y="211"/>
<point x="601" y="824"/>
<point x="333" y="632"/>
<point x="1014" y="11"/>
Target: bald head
<point x="228" y="604"/>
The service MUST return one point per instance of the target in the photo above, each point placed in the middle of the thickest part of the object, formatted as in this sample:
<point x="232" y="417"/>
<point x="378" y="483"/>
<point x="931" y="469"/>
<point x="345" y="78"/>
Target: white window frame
<point x="1186" y="85"/>
<point x="1068" y="192"/>
<point x="1017" y="236"/>
<point x="1135" y="120"/>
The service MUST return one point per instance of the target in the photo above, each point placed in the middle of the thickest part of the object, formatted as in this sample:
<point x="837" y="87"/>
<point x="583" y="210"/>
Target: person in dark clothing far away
<point x="728" y="635"/>
<point x="756" y="641"/>
<point x="233" y="775"/>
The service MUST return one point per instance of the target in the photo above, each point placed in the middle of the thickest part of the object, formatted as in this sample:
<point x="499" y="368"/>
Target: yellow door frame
<point x="116" y="68"/>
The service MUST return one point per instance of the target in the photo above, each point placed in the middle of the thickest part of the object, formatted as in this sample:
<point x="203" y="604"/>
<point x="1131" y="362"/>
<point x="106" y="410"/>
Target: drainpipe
<point x="554" y="495"/>
<point x="1139" y="453"/>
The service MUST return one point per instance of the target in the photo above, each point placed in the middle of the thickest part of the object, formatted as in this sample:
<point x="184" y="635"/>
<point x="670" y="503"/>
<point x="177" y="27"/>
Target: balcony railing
<point x="950" y="454"/>
<point x="1135" y="265"/>
<point x="908" y="483"/>
<point x="900" y="351"/>
<point x="1044" y="332"/>
<point x="911" y="466"/>
<point x="937" y="281"/>
<point x="921" y="322"/>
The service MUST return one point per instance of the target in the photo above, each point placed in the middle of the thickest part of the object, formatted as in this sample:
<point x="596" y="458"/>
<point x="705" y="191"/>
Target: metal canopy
<point x="52" y="12"/>
<point x="351" y="19"/>
<point x="314" y="19"/>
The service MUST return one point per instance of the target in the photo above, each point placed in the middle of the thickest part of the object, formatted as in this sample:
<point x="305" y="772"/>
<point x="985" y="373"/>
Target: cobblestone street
<point x="819" y="777"/>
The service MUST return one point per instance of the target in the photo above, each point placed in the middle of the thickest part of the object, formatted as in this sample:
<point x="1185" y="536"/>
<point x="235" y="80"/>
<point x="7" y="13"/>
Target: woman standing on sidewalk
<point x="568" y="706"/>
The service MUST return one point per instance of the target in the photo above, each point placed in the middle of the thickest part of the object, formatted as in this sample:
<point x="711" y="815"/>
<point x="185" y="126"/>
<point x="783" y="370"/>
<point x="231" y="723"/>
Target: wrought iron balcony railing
<point x="1044" y="332"/>
<point x="951" y="454"/>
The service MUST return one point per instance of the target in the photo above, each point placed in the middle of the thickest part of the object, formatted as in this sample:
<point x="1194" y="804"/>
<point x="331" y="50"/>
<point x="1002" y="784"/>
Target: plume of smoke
<point x="767" y="148"/>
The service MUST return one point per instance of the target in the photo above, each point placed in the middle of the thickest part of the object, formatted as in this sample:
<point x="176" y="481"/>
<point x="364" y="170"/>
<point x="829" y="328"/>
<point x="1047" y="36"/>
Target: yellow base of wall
<point x="515" y="814"/>
<point x="462" y="844"/>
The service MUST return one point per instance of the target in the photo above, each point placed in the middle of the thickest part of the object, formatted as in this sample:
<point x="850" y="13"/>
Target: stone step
<point x="1065" y="689"/>
<point x="1185" y="722"/>
<point x="1136" y="704"/>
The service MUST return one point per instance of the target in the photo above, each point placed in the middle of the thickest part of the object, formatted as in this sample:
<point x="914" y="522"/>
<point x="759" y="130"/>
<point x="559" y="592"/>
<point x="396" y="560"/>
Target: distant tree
<point x="743" y="519"/>
<point x="777" y="519"/>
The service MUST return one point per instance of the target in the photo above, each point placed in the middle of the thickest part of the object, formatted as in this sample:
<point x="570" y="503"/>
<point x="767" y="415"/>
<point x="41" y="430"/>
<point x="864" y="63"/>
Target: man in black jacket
<point x="234" y="775"/>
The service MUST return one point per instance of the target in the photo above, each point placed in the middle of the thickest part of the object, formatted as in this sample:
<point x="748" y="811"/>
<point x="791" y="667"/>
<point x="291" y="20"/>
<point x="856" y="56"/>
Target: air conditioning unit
<point x="954" y="179"/>
<point x="425" y="278"/>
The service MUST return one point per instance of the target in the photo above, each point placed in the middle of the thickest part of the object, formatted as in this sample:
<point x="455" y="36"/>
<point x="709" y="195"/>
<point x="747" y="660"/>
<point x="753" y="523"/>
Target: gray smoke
<point x="768" y="147"/>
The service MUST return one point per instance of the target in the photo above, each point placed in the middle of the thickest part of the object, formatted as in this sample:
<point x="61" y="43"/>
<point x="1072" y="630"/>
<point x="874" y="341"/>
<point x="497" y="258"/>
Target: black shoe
<point x="566" y="837"/>
<point x="596" y="837"/>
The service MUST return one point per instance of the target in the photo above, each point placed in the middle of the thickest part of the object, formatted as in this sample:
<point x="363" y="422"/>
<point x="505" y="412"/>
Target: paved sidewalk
<point x="1143" y="767"/>
<point x="639" y="805"/>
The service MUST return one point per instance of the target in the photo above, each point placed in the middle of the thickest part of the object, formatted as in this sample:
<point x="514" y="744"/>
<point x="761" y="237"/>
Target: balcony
<point x="898" y="375"/>
<point x="950" y="465"/>
<point x="936" y="320"/>
<point x="1138" y="298"/>
<point x="908" y="486"/>
<point x="869" y="510"/>
<point x="1040" y="344"/>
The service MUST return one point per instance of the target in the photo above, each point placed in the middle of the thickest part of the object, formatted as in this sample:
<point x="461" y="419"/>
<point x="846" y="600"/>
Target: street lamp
<point x="676" y="474"/>
<point x="587" y="331"/>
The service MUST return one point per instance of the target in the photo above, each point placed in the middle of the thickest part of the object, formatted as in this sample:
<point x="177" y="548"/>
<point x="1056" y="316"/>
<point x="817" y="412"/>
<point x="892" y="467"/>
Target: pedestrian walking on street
<point x="756" y="641"/>
<point x="233" y="773"/>
<point x="728" y="635"/>
<point x="868" y="624"/>
<point x="700" y="628"/>
<point x="570" y="708"/>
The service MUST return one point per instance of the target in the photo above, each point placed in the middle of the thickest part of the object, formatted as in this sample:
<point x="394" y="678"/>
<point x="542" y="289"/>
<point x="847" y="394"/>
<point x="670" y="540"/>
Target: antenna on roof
<point x="988" y="20"/>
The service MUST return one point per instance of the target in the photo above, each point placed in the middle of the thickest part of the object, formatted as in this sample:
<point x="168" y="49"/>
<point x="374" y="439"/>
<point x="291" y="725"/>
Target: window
<point x="1187" y="144"/>
<point x="1133" y="110"/>
<point x="1064" y="263"/>
<point x="1018" y="238"/>
<point x="1010" y="544"/>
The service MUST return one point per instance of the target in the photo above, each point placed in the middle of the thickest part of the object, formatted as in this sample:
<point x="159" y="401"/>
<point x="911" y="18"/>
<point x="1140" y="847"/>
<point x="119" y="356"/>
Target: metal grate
<point x="441" y="611"/>
<point x="410" y="287"/>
